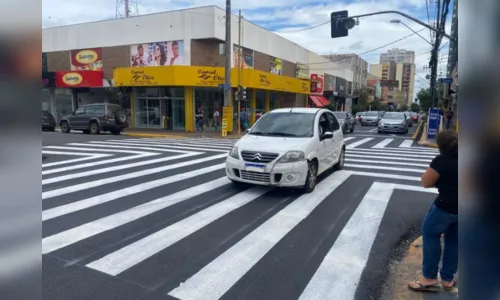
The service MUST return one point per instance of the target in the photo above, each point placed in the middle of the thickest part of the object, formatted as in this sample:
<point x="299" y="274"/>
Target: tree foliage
<point x="424" y="97"/>
<point x="403" y="107"/>
<point x="415" y="107"/>
<point x="363" y="96"/>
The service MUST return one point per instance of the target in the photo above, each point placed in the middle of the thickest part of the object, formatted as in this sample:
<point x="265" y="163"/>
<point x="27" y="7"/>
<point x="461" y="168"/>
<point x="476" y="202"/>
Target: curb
<point x="423" y="141"/>
<point x="152" y="135"/>
<point x="418" y="131"/>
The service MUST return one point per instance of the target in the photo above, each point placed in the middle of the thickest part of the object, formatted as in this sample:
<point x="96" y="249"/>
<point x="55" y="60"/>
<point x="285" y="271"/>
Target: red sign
<point x="317" y="84"/>
<point x="74" y="79"/>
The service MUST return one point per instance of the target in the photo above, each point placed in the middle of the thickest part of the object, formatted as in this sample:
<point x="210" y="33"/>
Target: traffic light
<point x="341" y="23"/>
<point x="243" y="93"/>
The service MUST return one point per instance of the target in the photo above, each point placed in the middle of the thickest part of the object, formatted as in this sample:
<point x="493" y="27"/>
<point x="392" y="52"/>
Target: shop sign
<point x="86" y="59"/>
<point x="79" y="79"/>
<point x="302" y="71"/>
<point x="317" y="84"/>
<point x="140" y="77"/>
<point x="264" y="81"/>
<point x="209" y="77"/>
<point x="305" y="87"/>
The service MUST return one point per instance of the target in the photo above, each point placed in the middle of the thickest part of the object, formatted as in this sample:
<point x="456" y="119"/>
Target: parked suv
<point x="94" y="118"/>
<point x="48" y="121"/>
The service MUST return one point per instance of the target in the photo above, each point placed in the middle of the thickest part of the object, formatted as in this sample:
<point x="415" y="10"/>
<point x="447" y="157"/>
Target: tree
<point x="415" y="107"/>
<point x="358" y="108"/>
<point x="424" y="97"/>
<point x="362" y="96"/>
<point x="403" y="107"/>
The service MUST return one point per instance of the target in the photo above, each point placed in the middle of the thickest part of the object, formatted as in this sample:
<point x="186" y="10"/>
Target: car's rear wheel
<point x="312" y="176"/>
<point x="65" y="127"/>
<point x="340" y="164"/>
<point x="94" y="128"/>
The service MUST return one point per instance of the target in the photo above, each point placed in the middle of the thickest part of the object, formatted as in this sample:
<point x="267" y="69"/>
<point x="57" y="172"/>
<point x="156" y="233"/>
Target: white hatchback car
<point x="288" y="147"/>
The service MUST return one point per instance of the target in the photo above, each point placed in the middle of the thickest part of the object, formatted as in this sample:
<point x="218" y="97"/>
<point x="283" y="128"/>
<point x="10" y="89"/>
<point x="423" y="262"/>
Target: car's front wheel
<point x="312" y="176"/>
<point x="340" y="164"/>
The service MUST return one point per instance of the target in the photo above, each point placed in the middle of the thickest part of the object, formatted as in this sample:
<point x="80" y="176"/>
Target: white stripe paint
<point x="132" y="147"/>
<point x="403" y="151"/>
<point x="206" y="142"/>
<point x="93" y="149"/>
<point x="404" y="158"/>
<point x="68" y="153"/>
<point x="339" y="274"/>
<point x="216" y="278"/>
<point x="406" y="144"/>
<point x="414" y="188"/>
<point x="381" y="152"/>
<point x="99" y="182"/>
<point x="129" y="256"/>
<point x="358" y="143"/>
<point x="190" y="140"/>
<point x="386" y="162"/>
<point x="70" y="161"/>
<point x="71" y="236"/>
<point x="374" y="129"/>
<point x="192" y="145"/>
<point x="421" y="171"/>
<point x="349" y="138"/>
<point x="383" y="143"/>
<point x="117" y="168"/>
<point x="415" y="149"/>
<point x="168" y="147"/>
<point x="385" y="175"/>
<point x="131" y="190"/>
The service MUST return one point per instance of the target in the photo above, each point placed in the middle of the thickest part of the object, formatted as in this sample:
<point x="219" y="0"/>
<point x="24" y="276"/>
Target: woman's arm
<point x="429" y="178"/>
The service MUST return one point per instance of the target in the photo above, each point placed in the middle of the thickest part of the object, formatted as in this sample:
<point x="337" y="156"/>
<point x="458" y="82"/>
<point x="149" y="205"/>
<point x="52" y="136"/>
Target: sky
<point x="293" y="20"/>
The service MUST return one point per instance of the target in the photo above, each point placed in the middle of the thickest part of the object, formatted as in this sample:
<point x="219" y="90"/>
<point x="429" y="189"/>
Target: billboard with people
<point x="157" y="54"/>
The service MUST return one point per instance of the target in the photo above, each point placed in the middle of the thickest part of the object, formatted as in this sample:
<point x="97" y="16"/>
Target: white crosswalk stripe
<point x="134" y="200"/>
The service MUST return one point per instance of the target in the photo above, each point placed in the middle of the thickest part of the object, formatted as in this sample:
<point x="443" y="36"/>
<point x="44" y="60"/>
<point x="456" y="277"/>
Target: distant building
<point x="404" y="73"/>
<point x="400" y="56"/>
<point x="353" y="62"/>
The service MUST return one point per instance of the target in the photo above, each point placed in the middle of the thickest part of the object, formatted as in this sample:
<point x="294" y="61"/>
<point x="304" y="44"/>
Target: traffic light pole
<point x="227" y="53"/>
<point x="434" y="56"/>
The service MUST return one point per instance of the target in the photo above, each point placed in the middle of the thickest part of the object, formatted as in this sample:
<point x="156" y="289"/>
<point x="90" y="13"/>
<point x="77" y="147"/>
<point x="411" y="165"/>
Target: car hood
<point x="272" y="144"/>
<point x="392" y="121"/>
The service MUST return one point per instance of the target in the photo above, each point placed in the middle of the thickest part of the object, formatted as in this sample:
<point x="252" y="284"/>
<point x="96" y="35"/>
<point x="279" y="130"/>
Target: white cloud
<point x="371" y="33"/>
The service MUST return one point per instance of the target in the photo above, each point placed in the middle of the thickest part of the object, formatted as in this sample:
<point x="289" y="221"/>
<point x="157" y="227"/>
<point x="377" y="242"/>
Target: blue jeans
<point x="436" y="223"/>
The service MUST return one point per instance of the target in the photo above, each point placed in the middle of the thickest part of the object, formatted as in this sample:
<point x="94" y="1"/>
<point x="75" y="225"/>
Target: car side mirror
<point x="248" y="130"/>
<point x="328" y="135"/>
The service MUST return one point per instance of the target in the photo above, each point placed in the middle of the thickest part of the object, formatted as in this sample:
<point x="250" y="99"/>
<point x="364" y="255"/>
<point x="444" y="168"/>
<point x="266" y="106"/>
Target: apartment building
<point x="401" y="56"/>
<point x="404" y="73"/>
<point x="354" y="63"/>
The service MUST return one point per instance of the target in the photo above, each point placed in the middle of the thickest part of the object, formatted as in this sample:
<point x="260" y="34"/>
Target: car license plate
<point x="255" y="168"/>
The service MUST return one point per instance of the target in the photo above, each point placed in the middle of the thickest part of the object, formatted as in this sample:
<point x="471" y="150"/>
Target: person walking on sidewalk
<point x="441" y="219"/>
<point x="449" y="118"/>
<point x="199" y="119"/>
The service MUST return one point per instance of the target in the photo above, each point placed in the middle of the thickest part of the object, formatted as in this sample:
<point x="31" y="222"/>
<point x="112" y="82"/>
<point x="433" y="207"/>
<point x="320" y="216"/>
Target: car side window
<point x="89" y="110"/>
<point x="334" y="124"/>
<point x="99" y="110"/>
<point x="323" y="124"/>
<point x="80" y="111"/>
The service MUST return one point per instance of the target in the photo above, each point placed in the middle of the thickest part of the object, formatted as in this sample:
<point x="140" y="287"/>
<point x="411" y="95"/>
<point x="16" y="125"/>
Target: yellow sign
<point x="224" y="127"/>
<point x="207" y="77"/>
<point x="227" y="115"/>
<point x="72" y="79"/>
<point x="86" y="57"/>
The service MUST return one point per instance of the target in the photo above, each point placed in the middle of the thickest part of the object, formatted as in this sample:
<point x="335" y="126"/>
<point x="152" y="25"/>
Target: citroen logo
<point x="257" y="156"/>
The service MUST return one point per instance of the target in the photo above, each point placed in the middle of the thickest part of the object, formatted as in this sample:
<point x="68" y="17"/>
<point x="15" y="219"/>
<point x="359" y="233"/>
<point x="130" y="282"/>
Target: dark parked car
<point x="48" y="121"/>
<point x="346" y="120"/>
<point x="94" y="118"/>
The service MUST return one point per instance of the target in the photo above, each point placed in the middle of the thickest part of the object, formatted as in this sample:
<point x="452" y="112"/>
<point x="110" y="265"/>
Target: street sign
<point x="433" y="121"/>
<point x="446" y="80"/>
<point x="389" y="83"/>
<point x="339" y="28"/>
<point x="224" y="127"/>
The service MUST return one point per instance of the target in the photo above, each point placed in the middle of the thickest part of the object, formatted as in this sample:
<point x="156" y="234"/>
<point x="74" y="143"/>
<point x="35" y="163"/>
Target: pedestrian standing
<point x="441" y="219"/>
<point x="199" y="119"/>
<point x="449" y="117"/>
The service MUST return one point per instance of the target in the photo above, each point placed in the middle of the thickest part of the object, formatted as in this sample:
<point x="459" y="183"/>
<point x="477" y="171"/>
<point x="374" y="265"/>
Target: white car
<point x="288" y="147"/>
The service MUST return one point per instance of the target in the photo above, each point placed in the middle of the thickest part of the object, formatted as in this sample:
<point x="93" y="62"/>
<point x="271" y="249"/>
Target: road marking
<point x="349" y="138"/>
<point x="421" y="171"/>
<point x="389" y="152"/>
<point x="228" y="147"/>
<point x="385" y="175"/>
<point x="373" y="130"/>
<point x="383" y="143"/>
<point x="116" y="168"/>
<point x="149" y="149"/>
<point x="129" y="256"/>
<point x="388" y="157"/>
<point x="216" y="278"/>
<point x="356" y="144"/>
<point x="69" y="161"/>
<point x="166" y="146"/>
<point x="406" y="144"/>
<point x="415" y="149"/>
<point x="71" y="236"/>
<point x="131" y="190"/>
<point x="204" y="142"/>
<point x="387" y="162"/>
<point x="99" y="182"/>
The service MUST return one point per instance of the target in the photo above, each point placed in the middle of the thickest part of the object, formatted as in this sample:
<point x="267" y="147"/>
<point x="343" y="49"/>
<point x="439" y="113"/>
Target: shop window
<point x="260" y="104"/>
<point x="152" y="92"/>
<point x="209" y="100"/>
<point x="273" y="101"/>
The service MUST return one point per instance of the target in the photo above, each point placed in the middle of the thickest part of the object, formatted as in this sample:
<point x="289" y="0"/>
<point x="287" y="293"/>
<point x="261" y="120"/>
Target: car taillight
<point x="106" y="117"/>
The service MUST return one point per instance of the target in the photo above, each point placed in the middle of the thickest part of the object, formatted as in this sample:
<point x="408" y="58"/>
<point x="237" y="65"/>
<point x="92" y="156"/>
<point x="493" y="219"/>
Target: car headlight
<point x="234" y="153"/>
<point x="292" y="156"/>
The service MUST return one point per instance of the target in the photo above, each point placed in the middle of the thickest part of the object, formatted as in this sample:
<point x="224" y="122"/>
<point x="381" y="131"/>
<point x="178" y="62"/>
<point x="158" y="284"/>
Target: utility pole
<point x="435" y="54"/>
<point x="227" y="53"/>
<point x="127" y="8"/>
<point x="240" y="65"/>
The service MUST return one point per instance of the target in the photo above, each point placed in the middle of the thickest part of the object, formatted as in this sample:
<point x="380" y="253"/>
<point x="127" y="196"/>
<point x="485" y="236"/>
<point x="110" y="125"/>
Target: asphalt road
<point x="157" y="219"/>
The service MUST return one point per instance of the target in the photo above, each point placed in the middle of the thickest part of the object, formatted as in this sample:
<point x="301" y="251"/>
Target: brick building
<point x="162" y="67"/>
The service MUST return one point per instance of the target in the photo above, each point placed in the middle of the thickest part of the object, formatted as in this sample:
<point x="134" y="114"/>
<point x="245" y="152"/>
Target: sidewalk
<point x="409" y="268"/>
<point x="158" y="133"/>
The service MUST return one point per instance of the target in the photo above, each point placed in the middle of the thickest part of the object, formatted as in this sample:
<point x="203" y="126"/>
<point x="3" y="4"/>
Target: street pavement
<point x="152" y="218"/>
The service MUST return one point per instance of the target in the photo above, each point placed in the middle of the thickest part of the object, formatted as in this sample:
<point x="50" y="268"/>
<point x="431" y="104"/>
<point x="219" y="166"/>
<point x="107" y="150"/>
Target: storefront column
<point x="253" y="106"/>
<point x="268" y="97"/>
<point x="189" y="108"/>
<point x="132" y="110"/>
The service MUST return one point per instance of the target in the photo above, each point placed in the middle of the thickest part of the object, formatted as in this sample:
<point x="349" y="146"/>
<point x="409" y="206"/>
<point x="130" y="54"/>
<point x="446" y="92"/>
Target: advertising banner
<point x="275" y="65"/>
<point x="86" y="59"/>
<point x="157" y="54"/>
<point x="433" y="121"/>
<point x="302" y="71"/>
<point x="75" y="79"/>
<point x="317" y="84"/>
<point x="246" y="55"/>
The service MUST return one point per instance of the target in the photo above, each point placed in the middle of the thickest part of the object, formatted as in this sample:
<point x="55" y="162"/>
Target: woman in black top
<point x="442" y="217"/>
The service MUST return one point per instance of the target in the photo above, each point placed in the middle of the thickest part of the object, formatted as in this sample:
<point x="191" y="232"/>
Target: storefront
<point x="167" y="97"/>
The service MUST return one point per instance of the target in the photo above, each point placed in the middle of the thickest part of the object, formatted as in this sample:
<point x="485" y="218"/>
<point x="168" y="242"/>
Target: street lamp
<point x="396" y="21"/>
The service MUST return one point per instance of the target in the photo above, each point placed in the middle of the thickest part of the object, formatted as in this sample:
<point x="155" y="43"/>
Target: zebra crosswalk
<point x="160" y="214"/>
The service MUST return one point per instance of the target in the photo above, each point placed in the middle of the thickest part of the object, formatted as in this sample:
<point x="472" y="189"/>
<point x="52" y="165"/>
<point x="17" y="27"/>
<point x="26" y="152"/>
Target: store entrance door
<point x="178" y="116"/>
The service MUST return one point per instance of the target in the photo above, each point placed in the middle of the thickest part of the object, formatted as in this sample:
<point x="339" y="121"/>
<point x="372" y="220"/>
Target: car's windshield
<point x="372" y="114"/>
<point x="359" y="114"/>
<point x="340" y="114"/>
<point x="393" y="116"/>
<point x="285" y="124"/>
<point x="413" y="114"/>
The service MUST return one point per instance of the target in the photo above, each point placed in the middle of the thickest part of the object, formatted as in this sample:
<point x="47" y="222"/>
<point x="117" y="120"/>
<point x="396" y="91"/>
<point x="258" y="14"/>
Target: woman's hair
<point x="447" y="141"/>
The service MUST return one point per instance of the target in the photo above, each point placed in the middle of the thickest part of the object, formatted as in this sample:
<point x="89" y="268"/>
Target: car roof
<point x="303" y="110"/>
